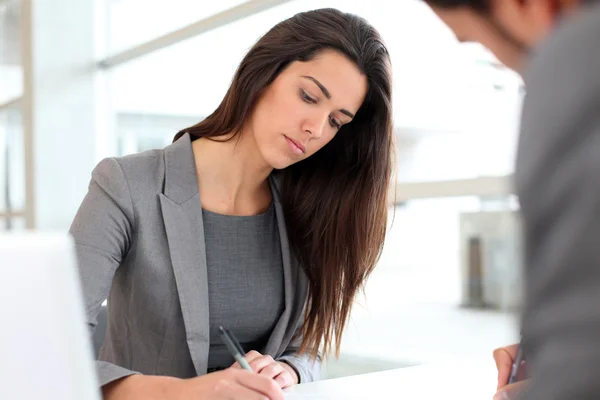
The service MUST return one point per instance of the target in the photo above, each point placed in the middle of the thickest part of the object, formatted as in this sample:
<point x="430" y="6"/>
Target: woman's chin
<point x="279" y="166"/>
<point x="281" y="162"/>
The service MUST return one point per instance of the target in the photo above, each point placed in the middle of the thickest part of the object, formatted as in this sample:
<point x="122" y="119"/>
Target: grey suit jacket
<point x="139" y="239"/>
<point x="558" y="182"/>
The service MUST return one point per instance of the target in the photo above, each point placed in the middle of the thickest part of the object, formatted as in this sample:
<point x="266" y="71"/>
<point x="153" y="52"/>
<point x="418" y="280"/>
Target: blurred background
<point x="81" y="80"/>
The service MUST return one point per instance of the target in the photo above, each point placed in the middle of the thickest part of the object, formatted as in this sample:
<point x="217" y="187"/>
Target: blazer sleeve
<point x="103" y="231"/>
<point x="308" y="370"/>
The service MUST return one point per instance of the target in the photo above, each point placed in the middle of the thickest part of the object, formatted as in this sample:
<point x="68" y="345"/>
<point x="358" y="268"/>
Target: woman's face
<point x="305" y="106"/>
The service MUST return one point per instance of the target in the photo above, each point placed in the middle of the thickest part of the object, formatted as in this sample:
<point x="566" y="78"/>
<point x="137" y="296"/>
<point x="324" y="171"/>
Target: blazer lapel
<point x="295" y="286"/>
<point x="182" y="215"/>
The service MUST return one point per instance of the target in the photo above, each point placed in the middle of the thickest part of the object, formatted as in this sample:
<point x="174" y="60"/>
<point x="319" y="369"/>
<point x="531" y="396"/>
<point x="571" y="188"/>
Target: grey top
<point x="245" y="280"/>
<point x="558" y="182"/>
<point x="139" y="235"/>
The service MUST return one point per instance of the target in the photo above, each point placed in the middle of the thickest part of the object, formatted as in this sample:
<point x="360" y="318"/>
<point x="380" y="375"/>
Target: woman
<point x="266" y="218"/>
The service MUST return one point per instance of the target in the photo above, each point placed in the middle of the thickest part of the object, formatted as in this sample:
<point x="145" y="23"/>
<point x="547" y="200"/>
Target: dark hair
<point x="482" y="6"/>
<point x="335" y="202"/>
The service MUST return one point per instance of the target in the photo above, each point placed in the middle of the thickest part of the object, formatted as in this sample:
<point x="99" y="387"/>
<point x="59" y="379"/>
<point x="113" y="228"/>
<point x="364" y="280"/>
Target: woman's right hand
<point x="504" y="358"/>
<point x="229" y="384"/>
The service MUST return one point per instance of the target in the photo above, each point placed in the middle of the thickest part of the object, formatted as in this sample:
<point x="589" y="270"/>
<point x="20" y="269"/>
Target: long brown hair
<point x="335" y="202"/>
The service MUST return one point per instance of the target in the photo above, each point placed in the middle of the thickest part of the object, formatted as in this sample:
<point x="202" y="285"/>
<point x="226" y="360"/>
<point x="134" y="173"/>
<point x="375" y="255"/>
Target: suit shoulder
<point x="144" y="172"/>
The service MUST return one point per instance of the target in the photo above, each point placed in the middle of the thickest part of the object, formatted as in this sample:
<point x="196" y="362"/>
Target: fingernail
<point x="502" y="396"/>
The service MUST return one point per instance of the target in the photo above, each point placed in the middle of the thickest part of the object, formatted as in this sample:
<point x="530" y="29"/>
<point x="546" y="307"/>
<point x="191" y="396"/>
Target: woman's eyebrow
<point x="326" y="93"/>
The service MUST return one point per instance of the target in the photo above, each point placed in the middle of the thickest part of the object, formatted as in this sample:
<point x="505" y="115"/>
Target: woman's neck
<point x="232" y="175"/>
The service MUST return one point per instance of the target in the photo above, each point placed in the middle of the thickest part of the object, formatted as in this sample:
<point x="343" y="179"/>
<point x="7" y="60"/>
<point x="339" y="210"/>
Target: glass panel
<point x="11" y="71"/>
<point x="132" y="22"/>
<point x="138" y="132"/>
<point x="12" y="165"/>
<point x="12" y="224"/>
<point x="18" y="224"/>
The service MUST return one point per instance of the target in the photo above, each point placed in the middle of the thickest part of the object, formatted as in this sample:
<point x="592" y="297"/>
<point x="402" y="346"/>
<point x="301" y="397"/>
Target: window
<point x="11" y="71"/>
<point x="12" y="169"/>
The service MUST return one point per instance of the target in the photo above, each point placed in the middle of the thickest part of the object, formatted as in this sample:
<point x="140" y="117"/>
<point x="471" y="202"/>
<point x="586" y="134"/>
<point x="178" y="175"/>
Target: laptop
<point x="45" y="347"/>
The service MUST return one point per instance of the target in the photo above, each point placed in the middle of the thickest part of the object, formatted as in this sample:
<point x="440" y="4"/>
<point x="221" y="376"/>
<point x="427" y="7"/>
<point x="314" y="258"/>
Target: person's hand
<point x="229" y="384"/>
<point x="264" y="365"/>
<point x="504" y="358"/>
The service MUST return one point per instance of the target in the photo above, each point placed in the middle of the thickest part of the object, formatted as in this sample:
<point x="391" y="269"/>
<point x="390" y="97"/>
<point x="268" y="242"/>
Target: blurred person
<point x="554" y="45"/>
<point x="266" y="217"/>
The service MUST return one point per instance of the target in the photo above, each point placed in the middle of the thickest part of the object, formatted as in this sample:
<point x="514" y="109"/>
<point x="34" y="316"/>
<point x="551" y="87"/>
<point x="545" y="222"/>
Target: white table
<point x="463" y="381"/>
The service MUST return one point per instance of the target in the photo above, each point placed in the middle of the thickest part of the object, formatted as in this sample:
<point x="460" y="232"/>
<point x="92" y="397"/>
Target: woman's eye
<point x="307" y="98"/>
<point x="334" y="123"/>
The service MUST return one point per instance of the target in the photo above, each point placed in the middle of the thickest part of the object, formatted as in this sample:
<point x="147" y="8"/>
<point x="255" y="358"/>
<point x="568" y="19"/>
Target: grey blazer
<point x="140" y="242"/>
<point x="558" y="182"/>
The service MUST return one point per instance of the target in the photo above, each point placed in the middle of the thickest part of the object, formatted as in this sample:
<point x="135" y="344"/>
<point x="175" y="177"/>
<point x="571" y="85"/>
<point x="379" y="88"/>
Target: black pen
<point x="234" y="348"/>
<point x="516" y="365"/>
